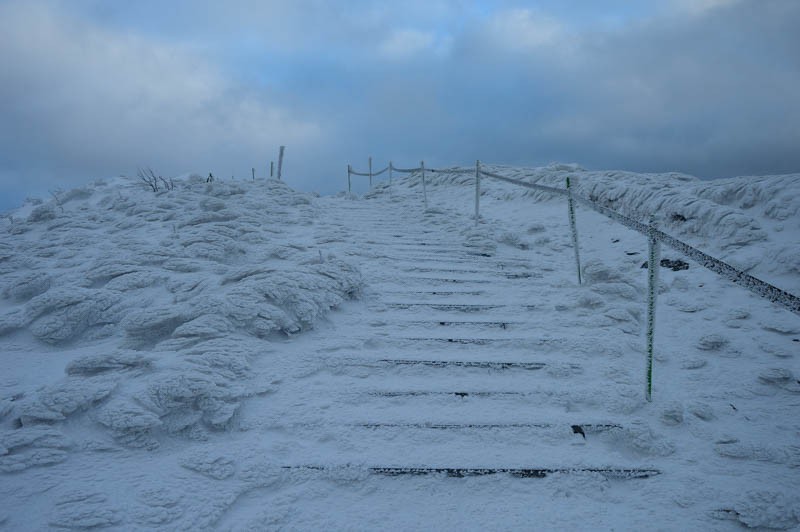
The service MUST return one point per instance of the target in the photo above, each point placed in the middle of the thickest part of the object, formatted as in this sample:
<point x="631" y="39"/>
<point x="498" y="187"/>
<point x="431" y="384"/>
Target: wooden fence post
<point x="477" y="190"/>
<point x="424" y="186"/>
<point x="280" y="161"/>
<point x="349" y="191"/>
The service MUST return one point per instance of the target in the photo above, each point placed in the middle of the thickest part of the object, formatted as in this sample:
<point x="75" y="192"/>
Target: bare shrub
<point x="153" y="181"/>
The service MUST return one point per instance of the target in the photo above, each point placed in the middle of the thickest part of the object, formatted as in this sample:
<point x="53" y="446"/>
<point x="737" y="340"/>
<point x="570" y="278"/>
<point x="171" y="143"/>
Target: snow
<point x="241" y="356"/>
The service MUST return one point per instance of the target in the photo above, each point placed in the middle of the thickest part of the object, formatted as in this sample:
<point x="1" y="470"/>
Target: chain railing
<point x="654" y="237"/>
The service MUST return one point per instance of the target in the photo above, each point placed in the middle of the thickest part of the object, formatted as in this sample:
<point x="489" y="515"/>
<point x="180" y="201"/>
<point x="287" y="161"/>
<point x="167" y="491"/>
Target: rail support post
<point x="477" y="190"/>
<point x="349" y="170"/>
<point x="390" y="173"/>
<point x="271" y="169"/>
<point x="573" y="226"/>
<point x="280" y="161"/>
<point x="370" y="173"/>
<point x="653" y="261"/>
<point x="424" y="186"/>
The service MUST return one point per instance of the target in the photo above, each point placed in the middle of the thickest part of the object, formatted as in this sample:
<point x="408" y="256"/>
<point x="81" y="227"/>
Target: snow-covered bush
<point x="183" y="293"/>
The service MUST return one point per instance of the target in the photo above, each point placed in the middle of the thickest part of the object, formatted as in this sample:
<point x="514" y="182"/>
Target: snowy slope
<point x="171" y="360"/>
<point x="753" y="223"/>
<point x="143" y="311"/>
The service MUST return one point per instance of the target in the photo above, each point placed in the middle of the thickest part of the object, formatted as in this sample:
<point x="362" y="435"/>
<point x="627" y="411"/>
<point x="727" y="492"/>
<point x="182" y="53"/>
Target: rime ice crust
<point x="176" y="285"/>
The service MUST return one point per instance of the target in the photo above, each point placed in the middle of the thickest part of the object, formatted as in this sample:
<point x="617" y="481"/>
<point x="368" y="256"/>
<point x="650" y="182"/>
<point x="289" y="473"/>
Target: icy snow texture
<point x="768" y="509"/>
<point x="149" y="380"/>
<point x="178" y="281"/>
<point x="34" y="446"/>
<point x="752" y="223"/>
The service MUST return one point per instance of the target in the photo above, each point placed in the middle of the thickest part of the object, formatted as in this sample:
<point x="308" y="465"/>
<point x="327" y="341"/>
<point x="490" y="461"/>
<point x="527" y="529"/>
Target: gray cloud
<point x="702" y="87"/>
<point x="84" y="102"/>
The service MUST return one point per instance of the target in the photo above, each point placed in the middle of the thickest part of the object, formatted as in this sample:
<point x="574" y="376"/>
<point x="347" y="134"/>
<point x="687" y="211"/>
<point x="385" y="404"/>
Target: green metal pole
<point x="652" y="292"/>
<point x="571" y="209"/>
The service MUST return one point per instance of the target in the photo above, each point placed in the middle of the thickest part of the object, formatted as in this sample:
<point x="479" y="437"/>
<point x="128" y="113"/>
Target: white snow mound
<point x="159" y="301"/>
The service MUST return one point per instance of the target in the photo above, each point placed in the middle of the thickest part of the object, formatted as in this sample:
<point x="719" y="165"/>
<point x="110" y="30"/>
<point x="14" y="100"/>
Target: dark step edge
<point x="423" y="393"/>
<point x="454" y="281"/>
<point x="519" y="472"/>
<point x="586" y="427"/>
<point x="582" y="429"/>
<point x="496" y="323"/>
<point x="439" y="293"/>
<point x="448" y="306"/>
<point x="461" y="259"/>
<point x="501" y="272"/>
<point x="467" y="341"/>
<point x="464" y="364"/>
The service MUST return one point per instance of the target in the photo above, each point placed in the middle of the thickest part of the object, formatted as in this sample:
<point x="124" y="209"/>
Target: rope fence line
<point x="406" y="170"/>
<point x="359" y="173"/>
<point x="534" y="186"/>
<point x="720" y="267"/>
<point x="374" y="174"/>
<point x="655" y="237"/>
<point x="762" y="288"/>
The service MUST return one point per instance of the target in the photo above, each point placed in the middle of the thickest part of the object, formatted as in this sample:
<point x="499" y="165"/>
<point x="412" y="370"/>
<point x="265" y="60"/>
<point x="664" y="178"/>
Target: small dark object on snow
<point x="674" y="265"/>
<point x="462" y="394"/>
<point x="577" y="429"/>
<point x="629" y="253"/>
<point x="614" y="240"/>
<point x="734" y="408"/>
<point x="210" y="178"/>
<point x="676" y="217"/>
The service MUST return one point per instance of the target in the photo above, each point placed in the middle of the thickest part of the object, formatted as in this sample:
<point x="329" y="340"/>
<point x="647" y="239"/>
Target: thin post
<point x="571" y="210"/>
<point x="370" y="172"/>
<point x="390" y="173"/>
<point x="424" y="186"/>
<point x="280" y="161"/>
<point x="653" y="253"/>
<point x="349" y="169"/>
<point x="254" y="173"/>
<point x="271" y="169"/>
<point x="477" y="190"/>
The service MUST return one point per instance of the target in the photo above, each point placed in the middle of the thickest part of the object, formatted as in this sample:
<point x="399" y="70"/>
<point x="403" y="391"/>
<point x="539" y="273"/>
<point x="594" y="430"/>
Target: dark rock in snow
<point x="674" y="265"/>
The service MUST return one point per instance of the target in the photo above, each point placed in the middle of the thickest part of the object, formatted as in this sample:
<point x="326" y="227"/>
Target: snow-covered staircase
<point x="474" y="385"/>
<point x="446" y="368"/>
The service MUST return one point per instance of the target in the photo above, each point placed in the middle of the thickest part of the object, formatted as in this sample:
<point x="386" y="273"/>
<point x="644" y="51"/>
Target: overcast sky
<point x="96" y="88"/>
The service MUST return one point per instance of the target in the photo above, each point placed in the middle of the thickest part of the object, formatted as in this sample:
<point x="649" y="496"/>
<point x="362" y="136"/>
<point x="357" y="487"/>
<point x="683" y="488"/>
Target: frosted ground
<point x="242" y="356"/>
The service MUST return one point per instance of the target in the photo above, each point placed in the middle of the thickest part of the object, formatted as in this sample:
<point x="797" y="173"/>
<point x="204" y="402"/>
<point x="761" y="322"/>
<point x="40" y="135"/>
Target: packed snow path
<point x="474" y="385"/>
